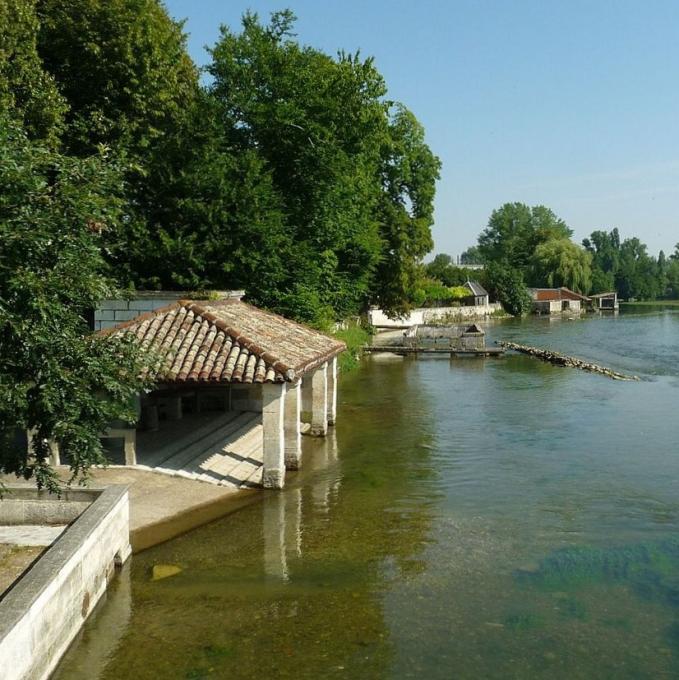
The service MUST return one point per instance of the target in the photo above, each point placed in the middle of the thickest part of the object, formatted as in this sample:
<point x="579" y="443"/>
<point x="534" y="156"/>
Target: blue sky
<point x="572" y="104"/>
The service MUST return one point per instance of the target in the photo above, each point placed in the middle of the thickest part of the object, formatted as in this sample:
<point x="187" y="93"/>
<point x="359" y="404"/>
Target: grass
<point x="355" y="336"/>
<point x="651" y="303"/>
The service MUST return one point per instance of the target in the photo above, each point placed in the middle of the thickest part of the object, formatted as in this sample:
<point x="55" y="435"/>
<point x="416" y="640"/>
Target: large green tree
<point x="353" y="174"/>
<point x="409" y="172"/>
<point x="560" y="262"/>
<point x="123" y="68"/>
<point x="515" y="230"/>
<point x="55" y="377"/>
<point x="27" y="92"/>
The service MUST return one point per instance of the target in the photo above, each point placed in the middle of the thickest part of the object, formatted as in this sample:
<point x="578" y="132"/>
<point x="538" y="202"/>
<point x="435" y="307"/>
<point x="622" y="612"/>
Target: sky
<point x="569" y="104"/>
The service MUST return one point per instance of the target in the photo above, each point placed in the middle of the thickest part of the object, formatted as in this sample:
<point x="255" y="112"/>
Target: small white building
<point x="478" y="294"/>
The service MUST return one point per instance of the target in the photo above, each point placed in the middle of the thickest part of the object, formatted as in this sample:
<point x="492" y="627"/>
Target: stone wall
<point x="426" y="315"/>
<point x="42" y="613"/>
<point x="113" y="312"/>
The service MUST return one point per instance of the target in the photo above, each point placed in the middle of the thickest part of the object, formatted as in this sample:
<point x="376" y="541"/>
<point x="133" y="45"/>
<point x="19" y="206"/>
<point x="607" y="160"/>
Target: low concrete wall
<point x="426" y="315"/>
<point x="42" y="613"/>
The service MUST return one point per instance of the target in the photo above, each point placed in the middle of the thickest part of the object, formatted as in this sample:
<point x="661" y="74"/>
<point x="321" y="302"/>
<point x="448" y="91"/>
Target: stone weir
<point x="559" y="359"/>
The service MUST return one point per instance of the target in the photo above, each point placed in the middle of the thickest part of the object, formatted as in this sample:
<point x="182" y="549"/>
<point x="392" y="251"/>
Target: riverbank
<point x="650" y="303"/>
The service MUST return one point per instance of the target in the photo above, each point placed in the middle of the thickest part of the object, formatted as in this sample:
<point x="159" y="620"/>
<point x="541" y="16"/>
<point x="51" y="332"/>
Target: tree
<point x="471" y="256"/>
<point x="508" y="286"/>
<point x="123" y="68"/>
<point x="28" y="93"/>
<point x="560" y="262"/>
<point x="636" y="276"/>
<point x="317" y="124"/>
<point x="409" y="172"/>
<point x="515" y="230"/>
<point x="443" y="269"/>
<point x="55" y="377"/>
<point x="604" y="248"/>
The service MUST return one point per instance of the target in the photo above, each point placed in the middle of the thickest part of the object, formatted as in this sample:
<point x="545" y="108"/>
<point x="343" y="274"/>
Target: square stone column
<point x="332" y="391"/>
<point x="319" y="401"/>
<point x="293" y="433"/>
<point x="273" y="405"/>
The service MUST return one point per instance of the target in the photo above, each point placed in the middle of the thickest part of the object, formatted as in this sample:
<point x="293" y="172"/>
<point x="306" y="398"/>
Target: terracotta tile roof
<point x="228" y="341"/>
<point x="545" y="294"/>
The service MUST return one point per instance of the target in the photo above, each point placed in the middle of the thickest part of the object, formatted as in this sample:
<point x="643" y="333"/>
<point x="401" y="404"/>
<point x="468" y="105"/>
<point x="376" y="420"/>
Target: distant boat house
<point x="557" y="300"/>
<point x="605" y="301"/>
<point x="232" y="386"/>
<point x="478" y="294"/>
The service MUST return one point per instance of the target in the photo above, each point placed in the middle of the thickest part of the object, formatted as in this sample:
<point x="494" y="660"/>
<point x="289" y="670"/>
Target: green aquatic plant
<point x="651" y="568"/>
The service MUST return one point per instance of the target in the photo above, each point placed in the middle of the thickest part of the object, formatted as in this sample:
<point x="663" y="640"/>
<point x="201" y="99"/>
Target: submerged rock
<point x="161" y="571"/>
<point x="562" y="360"/>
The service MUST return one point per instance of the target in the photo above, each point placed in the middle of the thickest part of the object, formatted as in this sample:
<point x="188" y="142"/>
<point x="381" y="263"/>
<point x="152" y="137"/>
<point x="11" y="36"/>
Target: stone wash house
<point x="235" y="387"/>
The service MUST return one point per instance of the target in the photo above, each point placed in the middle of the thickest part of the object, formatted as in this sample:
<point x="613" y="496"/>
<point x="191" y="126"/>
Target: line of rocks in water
<point x="562" y="360"/>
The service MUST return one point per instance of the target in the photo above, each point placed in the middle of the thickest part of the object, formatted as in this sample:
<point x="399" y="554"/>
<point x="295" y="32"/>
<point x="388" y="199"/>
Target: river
<point x="468" y="518"/>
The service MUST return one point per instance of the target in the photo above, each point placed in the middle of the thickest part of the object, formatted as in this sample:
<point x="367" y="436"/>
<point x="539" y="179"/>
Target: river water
<point x="473" y="518"/>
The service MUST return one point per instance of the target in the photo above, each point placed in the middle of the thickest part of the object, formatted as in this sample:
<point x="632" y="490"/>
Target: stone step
<point x="188" y="453"/>
<point x="159" y="446"/>
<point x="209" y="457"/>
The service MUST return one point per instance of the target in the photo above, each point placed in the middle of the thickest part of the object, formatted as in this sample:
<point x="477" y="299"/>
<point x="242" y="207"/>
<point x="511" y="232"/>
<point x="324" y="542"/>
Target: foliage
<point x="443" y="269"/>
<point x="28" y="93"/>
<point x="54" y="376"/>
<point x="471" y="256"/>
<point x="356" y="335"/>
<point x="628" y="268"/>
<point x="432" y="293"/>
<point x="122" y="67"/>
<point x="560" y="262"/>
<point x="515" y="230"/>
<point x="317" y="124"/>
<point x="409" y="174"/>
<point x="508" y="287"/>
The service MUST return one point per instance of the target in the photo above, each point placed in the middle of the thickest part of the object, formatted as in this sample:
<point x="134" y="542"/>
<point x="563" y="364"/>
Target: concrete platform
<point x="162" y="506"/>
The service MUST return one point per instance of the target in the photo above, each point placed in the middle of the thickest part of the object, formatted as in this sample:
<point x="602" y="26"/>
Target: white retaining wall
<point x="426" y="315"/>
<point x="45" y="609"/>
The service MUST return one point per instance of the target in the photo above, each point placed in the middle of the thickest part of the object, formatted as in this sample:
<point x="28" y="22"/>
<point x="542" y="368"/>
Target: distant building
<point x="557" y="300"/>
<point x="479" y="295"/>
<point x="605" y="301"/>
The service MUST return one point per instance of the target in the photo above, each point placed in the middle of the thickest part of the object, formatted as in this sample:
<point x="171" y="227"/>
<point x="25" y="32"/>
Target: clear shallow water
<point x="497" y="518"/>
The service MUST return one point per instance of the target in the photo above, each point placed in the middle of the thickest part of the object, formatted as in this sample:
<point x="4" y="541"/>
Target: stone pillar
<point x="332" y="391"/>
<point x="293" y="434"/>
<point x="273" y="403"/>
<point x="306" y="398"/>
<point x="130" y="445"/>
<point x="319" y="401"/>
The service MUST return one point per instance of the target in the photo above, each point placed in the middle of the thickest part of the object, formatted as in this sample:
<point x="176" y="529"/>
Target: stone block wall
<point x="43" y="612"/>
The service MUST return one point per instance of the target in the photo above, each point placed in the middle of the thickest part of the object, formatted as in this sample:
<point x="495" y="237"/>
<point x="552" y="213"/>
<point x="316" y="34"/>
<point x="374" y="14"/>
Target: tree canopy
<point x="55" y="378"/>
